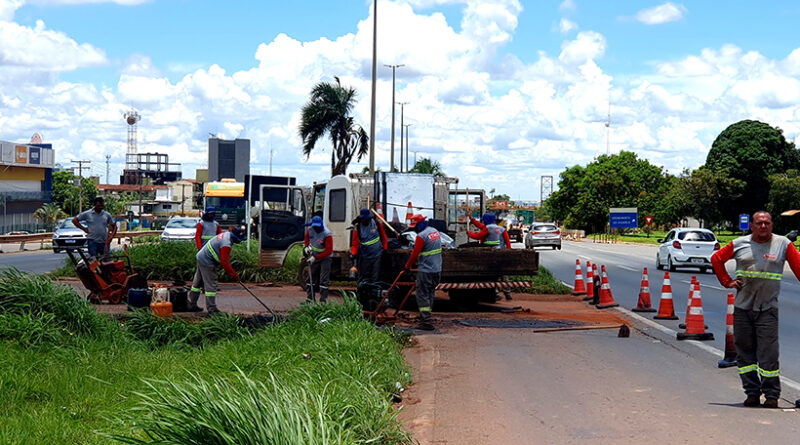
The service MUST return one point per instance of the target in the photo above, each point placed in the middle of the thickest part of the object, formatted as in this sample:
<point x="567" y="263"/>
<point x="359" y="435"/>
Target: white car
<point x="180" y="229"/>
<point x="685" y="247"/>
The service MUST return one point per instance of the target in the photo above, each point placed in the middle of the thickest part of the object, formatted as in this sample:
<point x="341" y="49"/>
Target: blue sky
<point x="524" y="84"/>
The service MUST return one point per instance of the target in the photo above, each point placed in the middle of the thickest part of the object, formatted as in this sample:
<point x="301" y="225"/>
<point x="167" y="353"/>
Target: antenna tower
<point x="546" y="190"/>
<point x="132" y="118"/>
<point x="608" y="129"/>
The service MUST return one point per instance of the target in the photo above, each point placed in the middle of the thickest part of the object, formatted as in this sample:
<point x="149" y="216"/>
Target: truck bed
<point x="472" y="264"/>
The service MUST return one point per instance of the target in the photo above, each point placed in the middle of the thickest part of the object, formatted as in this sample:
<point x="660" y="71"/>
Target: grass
<point x="543" y="283"/>
<point x="642" y="238"/>
<point x="324" y="376"/>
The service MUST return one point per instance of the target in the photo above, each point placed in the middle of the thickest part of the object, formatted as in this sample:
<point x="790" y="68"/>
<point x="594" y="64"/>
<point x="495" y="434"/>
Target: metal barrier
<point x="572" y="234"/>
<point x="42" y="237"/>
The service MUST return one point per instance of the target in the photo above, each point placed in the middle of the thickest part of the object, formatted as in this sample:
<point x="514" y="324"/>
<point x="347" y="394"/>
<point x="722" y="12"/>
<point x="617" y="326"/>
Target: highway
<point x="40" y="261"/>
<point x="625" y="263"/>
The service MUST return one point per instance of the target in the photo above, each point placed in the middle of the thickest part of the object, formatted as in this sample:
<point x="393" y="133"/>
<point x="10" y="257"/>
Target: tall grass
<point x="543" y="283"/>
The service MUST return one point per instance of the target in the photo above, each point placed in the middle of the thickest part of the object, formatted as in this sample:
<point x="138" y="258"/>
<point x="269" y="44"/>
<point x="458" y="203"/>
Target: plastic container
<point x="161" y="308"/>
<point x="138" y="298"/>
<point x="179" y="299"/>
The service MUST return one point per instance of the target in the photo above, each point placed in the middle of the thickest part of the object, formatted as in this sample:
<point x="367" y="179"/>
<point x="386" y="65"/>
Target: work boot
<point x="753" y="400"/>
<point x="211" y="305"/>
<point x="508" y="296"/>
<point x="771" y="403"/>
<point x="192" y="307"/>
<point x="424" y="325"/>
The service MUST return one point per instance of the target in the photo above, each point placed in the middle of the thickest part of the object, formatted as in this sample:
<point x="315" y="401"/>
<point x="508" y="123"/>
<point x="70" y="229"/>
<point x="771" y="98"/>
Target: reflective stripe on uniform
<point x="317" y="249"/>
<point x="761" y="275"/>
<point x="206" y="237"/>
<point x="431" y="252"/>
<point x="748" y="368"/>
<point x="492" y="243"/>
<point x="765" y="373"/>
<point x="425" y="309"/>
<point x="372" y="241"/>
<point x="211" y="294"/>
<point x="196" y="289"/>
<point x="213" y="253"/>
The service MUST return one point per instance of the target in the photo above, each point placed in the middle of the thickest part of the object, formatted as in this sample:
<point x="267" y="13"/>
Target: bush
<point x="158" y="331"/>
<point x="543" y="283"/>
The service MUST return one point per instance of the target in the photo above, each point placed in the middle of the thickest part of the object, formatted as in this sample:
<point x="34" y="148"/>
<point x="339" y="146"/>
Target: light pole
<point x="407" y="150"/>
<point x="374" y="68"/>
<point x="393" y="67"/>
<point x="402" y="105"/>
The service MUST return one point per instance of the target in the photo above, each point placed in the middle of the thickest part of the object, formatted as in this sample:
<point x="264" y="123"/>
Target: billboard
<point x="23" y="155"/>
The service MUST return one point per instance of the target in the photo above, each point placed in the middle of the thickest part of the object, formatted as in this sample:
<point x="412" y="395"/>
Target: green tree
<point x="751" y="151"/>
<point x="65" y="192"/>
<point x="784" y="194"/>
<point x="706" y="194"/>
<point x="560" y="202"/>
<point x="329" y="111"/>
<point x="49" y="214"/>
<point x="426" y="165"/>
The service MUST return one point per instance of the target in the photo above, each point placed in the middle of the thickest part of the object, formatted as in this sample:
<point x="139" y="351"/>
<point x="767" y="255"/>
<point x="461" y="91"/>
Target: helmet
<point x="240" y="233"/>
<point x="488" y="218"/>
<point x="416" y="220"/>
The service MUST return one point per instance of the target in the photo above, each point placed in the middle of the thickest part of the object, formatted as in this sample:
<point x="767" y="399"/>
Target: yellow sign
<point x="225" y="189"/>
<point x="22" y="154"/>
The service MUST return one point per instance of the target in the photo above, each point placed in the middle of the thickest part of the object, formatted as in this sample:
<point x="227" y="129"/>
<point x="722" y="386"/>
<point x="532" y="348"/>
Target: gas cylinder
<point x="161" y="308"/>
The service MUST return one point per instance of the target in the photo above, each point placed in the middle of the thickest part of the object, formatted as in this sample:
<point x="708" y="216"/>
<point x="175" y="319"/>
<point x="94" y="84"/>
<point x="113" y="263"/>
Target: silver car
<point x="67" y="236"/>
<point x="543" y="234"/>
<point x="180" y="229"/>
<point x="686" y="247"/>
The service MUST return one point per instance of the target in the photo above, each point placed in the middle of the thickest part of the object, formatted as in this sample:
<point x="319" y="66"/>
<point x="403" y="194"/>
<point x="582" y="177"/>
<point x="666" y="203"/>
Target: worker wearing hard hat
<point x="318" y="249"/>
<point x="492" y="234"/>
<point x="207" y="228"/>
<point x="215" y="252"/>
<point x="428" y="249"/>
<point x="367" y="244"/>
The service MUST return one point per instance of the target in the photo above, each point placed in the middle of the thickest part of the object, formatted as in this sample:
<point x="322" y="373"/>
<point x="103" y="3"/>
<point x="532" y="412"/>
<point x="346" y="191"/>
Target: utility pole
<point x="183" y="198"/>
<point x="407" y="148"/>
<point x="108" y="167"/>
<point x="80" y="182"/>
<point x="270" y="158"/>
<point x="402" y="105"/>
<point x="374" y="69"/>
<point x="393" y="67"/>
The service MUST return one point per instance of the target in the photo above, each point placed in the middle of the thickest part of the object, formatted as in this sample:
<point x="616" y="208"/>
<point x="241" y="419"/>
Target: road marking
<point x="705" y="285"/>
<point x="628" y="268"/>
<point x="784" y="380"/>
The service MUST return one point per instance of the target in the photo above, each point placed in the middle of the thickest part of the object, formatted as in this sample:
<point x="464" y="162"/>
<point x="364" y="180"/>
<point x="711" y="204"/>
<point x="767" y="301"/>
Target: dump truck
<point x="395" y="195"/>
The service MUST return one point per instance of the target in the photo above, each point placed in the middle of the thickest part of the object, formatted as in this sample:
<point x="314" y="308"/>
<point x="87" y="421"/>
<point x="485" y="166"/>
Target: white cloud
<point x="42" y="49"/>
<point x="568" y="5"/>
<point x="565" y="26"/>
<point x="668" y="12"/>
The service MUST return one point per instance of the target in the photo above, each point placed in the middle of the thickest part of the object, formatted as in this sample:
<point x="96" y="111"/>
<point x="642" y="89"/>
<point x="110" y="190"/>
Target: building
<point x="228" y="159"/>
<point x="184" y="193"/>
<point x="26" y="183"/>
<point x="154" y="166"/>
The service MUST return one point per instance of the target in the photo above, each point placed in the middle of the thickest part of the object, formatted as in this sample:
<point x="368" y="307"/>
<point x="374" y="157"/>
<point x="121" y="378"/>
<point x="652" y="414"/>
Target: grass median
<point x="69" y="375"/>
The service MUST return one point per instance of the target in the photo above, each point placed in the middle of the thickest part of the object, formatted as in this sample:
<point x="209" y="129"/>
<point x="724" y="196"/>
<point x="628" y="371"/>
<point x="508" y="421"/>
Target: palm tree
<point x="49" y="214"/>
<point x="426" y="165"/>
<point x="328" y="111"/>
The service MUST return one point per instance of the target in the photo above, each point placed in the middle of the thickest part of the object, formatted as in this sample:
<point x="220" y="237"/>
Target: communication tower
<point x="546" y="190"/>
<point x="132" y="118"/>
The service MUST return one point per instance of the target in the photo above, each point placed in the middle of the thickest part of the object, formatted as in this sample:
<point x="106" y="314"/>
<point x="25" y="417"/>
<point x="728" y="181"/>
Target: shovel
<point x="274" y="317"/>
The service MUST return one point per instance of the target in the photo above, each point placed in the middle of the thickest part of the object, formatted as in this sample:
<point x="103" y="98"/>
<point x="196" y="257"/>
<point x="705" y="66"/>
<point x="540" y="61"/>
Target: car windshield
<point x="544" y="228"/>
<point x="696" y="235"/>
<point x="182" y="223"/>
<point x="67" y="224"/>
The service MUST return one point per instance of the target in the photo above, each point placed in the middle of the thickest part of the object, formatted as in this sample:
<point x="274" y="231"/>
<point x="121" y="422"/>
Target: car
<point x="543" y="234"/>
<point x="67" y="236"/>
<point x="686" y="247"/>
<point x="180" y="228"/>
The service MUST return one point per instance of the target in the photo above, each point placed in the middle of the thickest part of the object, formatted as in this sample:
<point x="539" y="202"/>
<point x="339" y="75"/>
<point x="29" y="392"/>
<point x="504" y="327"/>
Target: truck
<point x="338" y="201"/>
<point x="227" y="197"/>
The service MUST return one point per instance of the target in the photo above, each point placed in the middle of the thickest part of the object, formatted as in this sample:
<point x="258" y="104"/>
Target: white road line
<point x="628" y="268"/>
<point x="784" y="380"/>
<point x="705" y="285"/>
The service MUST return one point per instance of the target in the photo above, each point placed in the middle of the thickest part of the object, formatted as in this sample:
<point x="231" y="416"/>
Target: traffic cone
<point x="644" y="296"/>
<point x="409" y="213"/>
<point x="597" y="285"/>
<point x="580" y="287"/>
<point x="379" y="209"/>
<point x="395" y="216"/>
<point x="730" y="349"/>
<point x="689" y="301"/>
<point x="589" y="282"/>
<point x="606" y="297"/>
<point x="695" y="323"/>
<point x="666" y="309"/>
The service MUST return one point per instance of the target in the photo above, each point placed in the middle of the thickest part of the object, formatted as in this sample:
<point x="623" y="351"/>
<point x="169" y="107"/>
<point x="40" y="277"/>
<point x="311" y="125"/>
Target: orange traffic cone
<point x="606" y="297"/>
<point x="395" y="216"/>
<point x="580" y="287"/>
<point x="589" y="282"/>
<point x="596" y="285"/>
<point x="666" y="309"/>
<point x="409" y="213"/>
<point x="379" y="209"/>
<point x="695" y="323"/>
<point x="644" y="296"/>
<point x="730" y="349"/>
<point x="689" y="301"/>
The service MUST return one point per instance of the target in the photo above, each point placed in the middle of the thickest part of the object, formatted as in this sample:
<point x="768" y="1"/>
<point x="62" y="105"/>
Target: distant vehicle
<point x="543" y="234"/>
<point x="67" y="236"/>
<point x="180" y="229"/>
<point x="685" y="247"/>
<point x="19" y="232"/>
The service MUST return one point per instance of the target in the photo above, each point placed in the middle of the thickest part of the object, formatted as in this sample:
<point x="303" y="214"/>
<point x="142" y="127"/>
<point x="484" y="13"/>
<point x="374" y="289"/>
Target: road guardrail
<point x="42" y="237"/>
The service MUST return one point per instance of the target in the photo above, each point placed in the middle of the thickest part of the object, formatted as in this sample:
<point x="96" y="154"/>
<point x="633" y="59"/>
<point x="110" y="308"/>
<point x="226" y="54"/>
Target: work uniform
<point x="368" y="242"/>
<point x="97" y="227"/>
<point x="215" y="252"/>
<point x="428" y="248"/>
<point x="205" y="231"/>
<point x="321" y="244"/>
<point x="755" y="315"/>
<point x="493" y="235"/>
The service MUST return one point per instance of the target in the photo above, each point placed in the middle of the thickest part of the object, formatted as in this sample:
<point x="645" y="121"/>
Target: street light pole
<point x="393" y="67"/>
<point x="402" y="105"/>
<point x="374" y="69"/>
<point x="407" y="150"/>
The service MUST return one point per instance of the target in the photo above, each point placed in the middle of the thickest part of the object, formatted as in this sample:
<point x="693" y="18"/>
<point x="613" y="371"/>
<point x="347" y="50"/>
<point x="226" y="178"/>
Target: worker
<point x="318" y="249"/>
<point x="760" y="259"/>
<point x="491" y="234"/>
<point x="100" y="228"/>
<point x="207" y="228"/>
<point x="368" y="243"/>
<point x="215" y="252"/>
<point x="428" y="249"/>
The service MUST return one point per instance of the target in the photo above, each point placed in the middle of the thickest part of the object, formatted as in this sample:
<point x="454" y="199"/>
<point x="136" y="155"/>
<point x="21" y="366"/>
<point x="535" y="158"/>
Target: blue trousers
<point x="96" y="248"/>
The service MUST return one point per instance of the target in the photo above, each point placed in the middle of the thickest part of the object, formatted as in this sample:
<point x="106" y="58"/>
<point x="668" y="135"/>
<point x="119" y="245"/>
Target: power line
<point x="80" y="181"/>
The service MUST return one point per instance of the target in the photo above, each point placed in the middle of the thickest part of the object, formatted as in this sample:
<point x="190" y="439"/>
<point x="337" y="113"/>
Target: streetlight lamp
<point x="407" y="149"/>
<point x="393" y="67"/>
<point x="402" y="104"/>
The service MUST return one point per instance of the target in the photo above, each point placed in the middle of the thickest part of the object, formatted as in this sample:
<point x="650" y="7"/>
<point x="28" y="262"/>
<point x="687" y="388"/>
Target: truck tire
<point x="302" y="275"/>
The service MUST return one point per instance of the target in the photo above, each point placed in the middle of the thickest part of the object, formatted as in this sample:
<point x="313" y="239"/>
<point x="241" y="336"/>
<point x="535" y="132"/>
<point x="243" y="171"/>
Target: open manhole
<point x="529" y="324"/>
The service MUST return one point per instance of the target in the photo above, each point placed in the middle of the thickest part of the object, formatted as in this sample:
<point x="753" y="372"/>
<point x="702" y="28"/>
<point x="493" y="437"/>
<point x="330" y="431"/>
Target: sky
<point x="500" y="92"/>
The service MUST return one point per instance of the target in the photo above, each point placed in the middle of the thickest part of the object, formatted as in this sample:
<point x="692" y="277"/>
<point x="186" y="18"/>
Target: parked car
<point x="180" y="228"/>
<point x="67" y="236"/>
<point x="543" y="234"/>
<point x="686" y="247"/>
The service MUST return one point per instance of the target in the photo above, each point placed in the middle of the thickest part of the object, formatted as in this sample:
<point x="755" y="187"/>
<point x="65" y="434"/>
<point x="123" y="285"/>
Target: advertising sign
<point x="21" y="154"/>
<point x="744" y="221"/>
<point x="623" y="218"/>
<point x="35" y="155"/>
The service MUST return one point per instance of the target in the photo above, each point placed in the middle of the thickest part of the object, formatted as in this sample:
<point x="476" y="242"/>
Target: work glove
<point x="311" y="260"/>
<point x="236" y="277"/>
<point x="352" y="257"/>
<point x="307" y="251"/>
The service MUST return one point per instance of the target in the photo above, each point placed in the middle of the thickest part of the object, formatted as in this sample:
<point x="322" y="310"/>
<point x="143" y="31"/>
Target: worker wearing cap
<point x="368" y="242"/>
<point x="215" y="252"/>
<point x="491" y="234"/>
<point x="428" y="249"/>
<point x="100" y="228"/>
<point x="318" y="249"/>
<point x="207" y="228"/>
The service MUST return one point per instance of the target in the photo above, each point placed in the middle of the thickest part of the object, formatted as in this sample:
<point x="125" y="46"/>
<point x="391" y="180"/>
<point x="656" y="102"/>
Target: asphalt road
<point x="34" y="262"/>
<point x="625" y="263"/>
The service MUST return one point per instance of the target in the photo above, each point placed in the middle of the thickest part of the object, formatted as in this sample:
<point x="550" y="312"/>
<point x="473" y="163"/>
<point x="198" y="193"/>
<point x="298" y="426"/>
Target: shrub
<point x="158" y="331"/>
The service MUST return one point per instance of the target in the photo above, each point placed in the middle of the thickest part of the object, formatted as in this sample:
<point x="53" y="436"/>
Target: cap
<point x="488" y="218"/>
<point x="315" y="222"/>
<point x="365" y="214"/>
<point x="416" y="219"/>
<point x="211" y="210"/>
<point x="239" y="232"/>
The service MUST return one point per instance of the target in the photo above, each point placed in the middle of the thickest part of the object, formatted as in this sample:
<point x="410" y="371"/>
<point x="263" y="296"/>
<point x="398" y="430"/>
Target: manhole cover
<point x="529" y="324"/>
